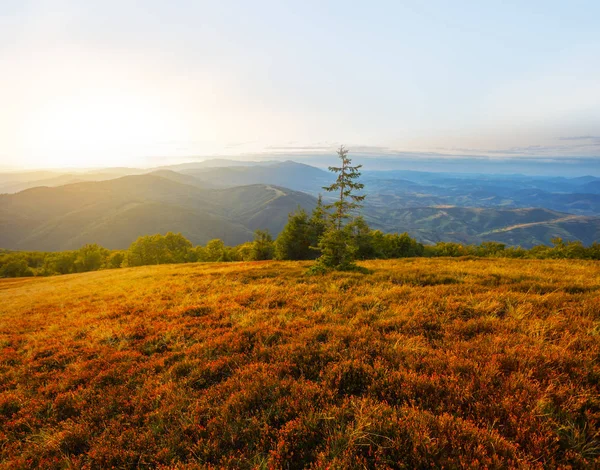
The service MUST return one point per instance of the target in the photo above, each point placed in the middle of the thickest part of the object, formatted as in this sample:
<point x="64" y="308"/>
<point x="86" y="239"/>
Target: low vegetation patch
<point x="424" y="363"/>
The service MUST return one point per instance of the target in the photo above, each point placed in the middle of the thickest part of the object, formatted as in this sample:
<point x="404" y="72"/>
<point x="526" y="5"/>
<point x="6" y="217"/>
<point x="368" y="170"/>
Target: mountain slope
<point x="410" y="189"/>
<point x="591" y="187"/>
<point x="184" y="179"/>
<point x="584" y="229"/>
<point x="193" y="202"/>
<point x="261" y="206"/>
<point x="215" y="163"/>
<point x="525" y="227"/>
<point x="11" y="184"/>
<point x="115" y="212"/>
<point x="120" y="229"/>
<point x="296" y="176"/>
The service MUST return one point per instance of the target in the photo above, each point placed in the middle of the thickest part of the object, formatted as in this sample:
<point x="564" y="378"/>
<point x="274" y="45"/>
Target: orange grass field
<point x="424" y="363"/>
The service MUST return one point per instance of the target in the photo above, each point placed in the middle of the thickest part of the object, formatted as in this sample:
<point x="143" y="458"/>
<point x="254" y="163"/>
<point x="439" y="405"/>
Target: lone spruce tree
<point x="346" y="185"/>
<point x="337" y="247"/>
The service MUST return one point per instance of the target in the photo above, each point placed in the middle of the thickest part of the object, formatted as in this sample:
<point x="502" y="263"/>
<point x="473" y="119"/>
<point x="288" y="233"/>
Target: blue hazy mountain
<point x="230" y="199"/>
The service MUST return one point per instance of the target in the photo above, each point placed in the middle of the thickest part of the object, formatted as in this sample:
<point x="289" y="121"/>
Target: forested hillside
<point x="230" y="199"/>
<point x="517" y="227"/>
<point x="114" y="213"/>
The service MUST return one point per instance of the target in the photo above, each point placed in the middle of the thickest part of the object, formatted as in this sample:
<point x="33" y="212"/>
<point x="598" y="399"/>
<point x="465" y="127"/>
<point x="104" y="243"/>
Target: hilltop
<point x="288" y="174"/>
<point x="114" y="213"/>
<point x="423" y="363"/>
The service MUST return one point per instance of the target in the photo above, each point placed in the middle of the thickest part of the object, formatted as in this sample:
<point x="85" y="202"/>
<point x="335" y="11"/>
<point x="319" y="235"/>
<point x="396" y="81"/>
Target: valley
<point x="231" y="199"/>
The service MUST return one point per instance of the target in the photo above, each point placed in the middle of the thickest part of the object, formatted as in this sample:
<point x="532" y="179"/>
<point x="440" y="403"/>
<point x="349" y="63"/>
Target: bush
<point x="296" y="239"/>
<point x="338" y="250"/>
<point x="90" y="258"/>
<point x="490" y="249"/>
<point x="394" y="245"/>
<point x="15" y="267"/>
<point x="302" y="238"/>
<point x="159" y="249"/>
<point x="115" y="260"/>
<point x="215" y="251"/>
<point x="262" y="248"/>
<point x="60" y="263"/>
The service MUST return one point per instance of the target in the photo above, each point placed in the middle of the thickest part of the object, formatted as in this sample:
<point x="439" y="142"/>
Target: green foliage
<point x="300" y="237"/>
<point x="146" y="250"/>
<point x="339" y="245"/>
<point x="394" y="245"/>
<point x="345" y="186"/>
<point x="559" y="250"/>
<point x="303" y="238"/>
<point x="90" y="258"/>
<point x="243" y="252"/>
<point x="294" y="242"/>
<point x="178" y="247"/>
<point x="318" y="222"/>
<point x="450" y="249"/>
<point x="15" y="266"/>
<point x="158" y="249"/>
<point x="262" y="247"/>
<point x="60" y="263"/>
<point x="490" y="249"/>
<point x="363" y="243"/>
<point x="338" y="250"/>
<point x="115" y="259"/>
<point x="362" y="239"/>
<point x="593" y="251"/>
<point x="215" y="251"/>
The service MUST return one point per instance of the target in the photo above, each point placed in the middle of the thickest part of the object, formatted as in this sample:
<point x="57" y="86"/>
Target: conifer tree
<point x="337" y="244"/>
<point x="294" y="241"/>
<point x="346" y="185"/>
<point x="262" y="247"/>
<point x="300" y="237"/>
<point x="318" y="223"/>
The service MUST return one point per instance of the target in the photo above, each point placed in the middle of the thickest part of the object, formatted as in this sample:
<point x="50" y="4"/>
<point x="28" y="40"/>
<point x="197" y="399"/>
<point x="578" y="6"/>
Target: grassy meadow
<point x="424" y="363"/>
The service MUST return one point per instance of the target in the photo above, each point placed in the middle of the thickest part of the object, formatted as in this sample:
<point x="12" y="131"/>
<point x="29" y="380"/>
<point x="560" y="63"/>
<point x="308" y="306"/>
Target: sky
<point x="132" y="83"/>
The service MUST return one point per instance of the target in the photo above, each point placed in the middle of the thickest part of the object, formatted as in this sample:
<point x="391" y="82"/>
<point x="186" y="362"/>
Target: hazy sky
<point x="89" y="83"/>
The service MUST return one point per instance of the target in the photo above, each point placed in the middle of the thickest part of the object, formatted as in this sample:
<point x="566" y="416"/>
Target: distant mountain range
<point x="19" y="181"/>
<point x="229" y="200"/>
<point x="524" y="227"/>
<point x="114" y="213"/>
<point x="214" y="173"/>
<point x="395" y="190"/>
<point x="288" y="174"/>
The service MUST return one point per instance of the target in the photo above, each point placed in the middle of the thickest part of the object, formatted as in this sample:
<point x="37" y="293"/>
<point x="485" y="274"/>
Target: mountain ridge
<point x="231" y="202"/>
<point x="68" y="216"/>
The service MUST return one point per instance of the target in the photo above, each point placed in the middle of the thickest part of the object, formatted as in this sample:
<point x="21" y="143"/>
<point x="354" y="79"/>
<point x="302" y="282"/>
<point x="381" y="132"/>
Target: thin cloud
<point x="239" y="144"/>
<point x="581" y="137"/>
<point x="580" y="148"/>
<point x="299" y="147"/>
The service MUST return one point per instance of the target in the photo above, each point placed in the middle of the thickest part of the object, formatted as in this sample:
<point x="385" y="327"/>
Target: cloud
<point x="571" y="152"/>
<point x="322" y="148"/>
<point x="585" y="146"/>
<point x="233" y="145"/>
<point x="581" y="137"/>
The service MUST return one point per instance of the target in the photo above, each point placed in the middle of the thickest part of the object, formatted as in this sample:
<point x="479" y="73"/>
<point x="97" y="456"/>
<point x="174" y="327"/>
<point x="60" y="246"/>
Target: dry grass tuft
<point x="424" y="363"/>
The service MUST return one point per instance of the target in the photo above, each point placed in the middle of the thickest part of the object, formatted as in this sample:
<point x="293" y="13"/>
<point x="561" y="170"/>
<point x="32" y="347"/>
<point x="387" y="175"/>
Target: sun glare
<point x="100" y="130"/>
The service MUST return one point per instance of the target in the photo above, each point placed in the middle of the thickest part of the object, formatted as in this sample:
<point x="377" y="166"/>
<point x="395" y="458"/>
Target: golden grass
<point x="423" y="363"/>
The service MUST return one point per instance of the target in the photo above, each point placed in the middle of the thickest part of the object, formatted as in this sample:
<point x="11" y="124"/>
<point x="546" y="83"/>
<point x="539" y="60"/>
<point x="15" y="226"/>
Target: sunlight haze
<point x="299" y="234"/>
<point x="129" y="83"/>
